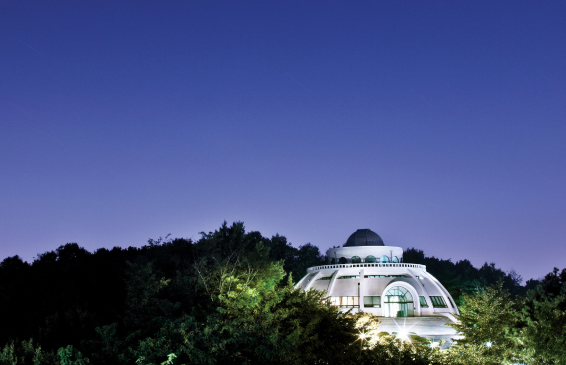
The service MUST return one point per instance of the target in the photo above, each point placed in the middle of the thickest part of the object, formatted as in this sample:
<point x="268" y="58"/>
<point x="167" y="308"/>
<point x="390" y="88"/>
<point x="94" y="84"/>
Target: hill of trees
<point x="462" y="277"/>
<point x="228" y="298"/>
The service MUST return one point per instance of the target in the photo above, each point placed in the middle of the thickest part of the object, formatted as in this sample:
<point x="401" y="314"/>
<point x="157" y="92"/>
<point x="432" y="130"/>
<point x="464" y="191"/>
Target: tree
<point x="26" y="352"/>
<point x="241" y="313"/>
<point x="488" y="322"/>
<point x="377" y="347"/>
<point x="545" y="315"/>
<point x="306" y="256"/>
<point x="462" y="278"/>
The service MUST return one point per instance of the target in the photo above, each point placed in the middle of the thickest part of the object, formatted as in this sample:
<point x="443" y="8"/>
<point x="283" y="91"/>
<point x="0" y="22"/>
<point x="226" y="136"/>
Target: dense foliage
<point x="229" y="298"/>
<point x="489" y="320"/>
<point x="500" y="329"/>
<point x="65" y="294"/>
<point x="545" y="317"/>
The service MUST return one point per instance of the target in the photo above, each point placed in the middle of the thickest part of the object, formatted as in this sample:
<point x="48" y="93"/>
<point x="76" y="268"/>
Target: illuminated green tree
<point x="241" y="314"/>
<point x="490" y="325"/>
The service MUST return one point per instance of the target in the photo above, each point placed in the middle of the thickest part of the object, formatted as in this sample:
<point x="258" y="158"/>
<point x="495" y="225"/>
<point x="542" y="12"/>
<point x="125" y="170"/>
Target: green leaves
<point x="488" y="322"/>
<point x="26" y="352"/>
<point x="227" y="299"/>
<point x="70" y="356"/>
<point x="545" y="316"/>
<point x="244" y="315"/>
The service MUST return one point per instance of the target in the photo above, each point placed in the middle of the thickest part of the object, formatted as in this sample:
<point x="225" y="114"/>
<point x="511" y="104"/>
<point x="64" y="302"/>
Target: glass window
<point x="438" y="302"/>
<point x="384" y="276"/>
<point x="356" y="259"/>
<point x="384" y="259"/>
<point x="398" y="302"/>
<point x="372" y="301"/>
<point x="423" y="302"/>
<point x="345" y="302"/>
<point x="350" y="277"/>
<point x="342" y="260"/>
<point x="395" y="259"/>
<point x="325" y="278"/>
<point x="371" y="258"/>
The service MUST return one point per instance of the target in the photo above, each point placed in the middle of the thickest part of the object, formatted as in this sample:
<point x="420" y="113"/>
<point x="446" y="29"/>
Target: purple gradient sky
<point x="438" y="125"/>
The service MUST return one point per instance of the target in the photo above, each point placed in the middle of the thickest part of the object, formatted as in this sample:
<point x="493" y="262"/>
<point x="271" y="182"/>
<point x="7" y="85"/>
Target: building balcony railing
<point x="361" y="265"/>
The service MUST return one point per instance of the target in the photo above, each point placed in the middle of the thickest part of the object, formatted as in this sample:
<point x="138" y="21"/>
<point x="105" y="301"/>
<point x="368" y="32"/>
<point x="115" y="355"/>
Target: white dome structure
<point x="366" y="276"/>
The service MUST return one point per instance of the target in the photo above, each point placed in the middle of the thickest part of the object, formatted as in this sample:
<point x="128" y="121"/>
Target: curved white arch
<point x="410" y="288"/>
<point x="447" y="297"/>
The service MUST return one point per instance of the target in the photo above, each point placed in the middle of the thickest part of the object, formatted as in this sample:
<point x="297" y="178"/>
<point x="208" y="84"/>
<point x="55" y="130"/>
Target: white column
<point x="332" y="281"/>
<point x="362" y="290"/>
<point x="312" y="280"/>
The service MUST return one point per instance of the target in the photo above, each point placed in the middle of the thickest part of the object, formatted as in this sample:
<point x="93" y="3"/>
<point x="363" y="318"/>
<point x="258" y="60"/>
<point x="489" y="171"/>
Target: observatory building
<point x="366" y="276"/>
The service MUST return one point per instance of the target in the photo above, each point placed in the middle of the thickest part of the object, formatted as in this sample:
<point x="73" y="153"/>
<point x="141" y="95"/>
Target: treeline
<point x="227" y="298"/>
<point x="63" y="295"/>
<point x="462" y="277"/>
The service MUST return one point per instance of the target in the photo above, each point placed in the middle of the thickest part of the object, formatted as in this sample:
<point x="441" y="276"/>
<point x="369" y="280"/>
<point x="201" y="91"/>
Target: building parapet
<point x="347" y="266"/>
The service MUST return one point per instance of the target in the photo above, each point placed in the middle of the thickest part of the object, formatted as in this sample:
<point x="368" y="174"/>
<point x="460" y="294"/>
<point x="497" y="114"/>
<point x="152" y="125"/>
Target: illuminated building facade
<point x="366" y="276"/>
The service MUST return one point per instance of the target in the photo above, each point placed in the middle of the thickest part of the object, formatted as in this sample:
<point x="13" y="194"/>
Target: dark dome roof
<point x="364" y="237"/>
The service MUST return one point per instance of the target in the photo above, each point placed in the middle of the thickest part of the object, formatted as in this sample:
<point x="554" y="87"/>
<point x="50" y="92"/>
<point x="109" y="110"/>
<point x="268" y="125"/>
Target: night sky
<point x="439" y="125"/>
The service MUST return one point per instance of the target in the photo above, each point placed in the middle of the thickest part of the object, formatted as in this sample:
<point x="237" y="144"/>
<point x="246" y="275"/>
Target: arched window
<point x="395" y="259"/>
<point x="356" y="259"/>
<point x="384" y="259"/>
<point x="398" y="302"/>
<point x="370" y="258"/>
<point x="342" y="260"/>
